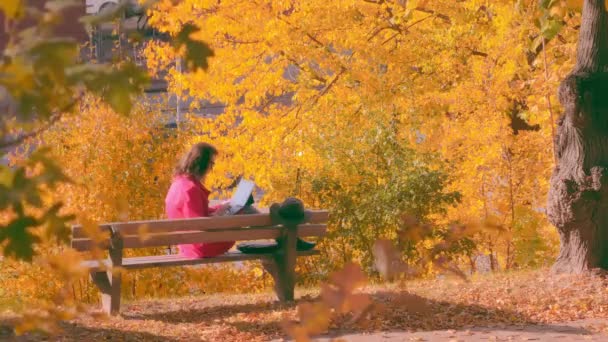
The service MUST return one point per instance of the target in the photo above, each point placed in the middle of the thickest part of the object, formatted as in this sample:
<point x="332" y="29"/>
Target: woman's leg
<point x="208" y="250"/>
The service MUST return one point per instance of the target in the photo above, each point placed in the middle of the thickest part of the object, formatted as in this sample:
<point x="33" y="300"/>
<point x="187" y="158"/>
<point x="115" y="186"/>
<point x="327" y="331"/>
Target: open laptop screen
<point x="241" y="195"/>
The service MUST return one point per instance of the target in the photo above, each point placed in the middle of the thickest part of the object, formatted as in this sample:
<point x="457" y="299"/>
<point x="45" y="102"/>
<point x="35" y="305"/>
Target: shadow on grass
<point x="392" y="311"/>
<point x="204" y="313"/>
<point x="403" y="311"/>
<point x="75" y="332"/>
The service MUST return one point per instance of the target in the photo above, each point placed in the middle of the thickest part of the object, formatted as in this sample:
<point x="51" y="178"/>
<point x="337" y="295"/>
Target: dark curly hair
<point x="196" y="162"/>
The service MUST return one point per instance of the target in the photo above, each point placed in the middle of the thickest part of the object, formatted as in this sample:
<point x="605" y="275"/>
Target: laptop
<point x="240" y="196"/>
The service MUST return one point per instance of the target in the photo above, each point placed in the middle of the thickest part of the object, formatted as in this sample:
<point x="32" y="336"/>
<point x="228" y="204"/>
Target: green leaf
<point x="19" y="188"/>
<point x="551" y="27"/>
<point x="545" y="4"/>
<point x="32" y="197"/>
<point x="115" y="86"/>
<point x="125" y="82"/>
<point x="19" y="240"/>
<point x="119" y="99"/>
<point x="55" y="53"/>
<point x="197" y="52"/>
<point x="4" y="197"/>
<point x="20" y="180"/>
<point x="6" y="176"/>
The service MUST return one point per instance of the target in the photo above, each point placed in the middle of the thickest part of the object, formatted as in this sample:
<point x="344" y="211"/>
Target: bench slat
<point x="202" y="223"/>
<point x="178" y="260"/>
<point x="175" y="238"/>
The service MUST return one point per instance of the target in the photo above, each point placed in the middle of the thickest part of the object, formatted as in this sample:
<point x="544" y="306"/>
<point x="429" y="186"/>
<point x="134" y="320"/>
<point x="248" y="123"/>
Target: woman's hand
<point x="222" y="209"/>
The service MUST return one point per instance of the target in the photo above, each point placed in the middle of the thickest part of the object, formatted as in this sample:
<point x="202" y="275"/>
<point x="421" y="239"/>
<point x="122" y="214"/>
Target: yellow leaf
<point x="314" y="317"/>
<point x="258" y="272"/>
<point x="11" y="8"/>
<point x="349" y="278"/>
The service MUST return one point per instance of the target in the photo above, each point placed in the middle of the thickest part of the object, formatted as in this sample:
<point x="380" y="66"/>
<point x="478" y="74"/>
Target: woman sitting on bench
<point x="188" y="197"/>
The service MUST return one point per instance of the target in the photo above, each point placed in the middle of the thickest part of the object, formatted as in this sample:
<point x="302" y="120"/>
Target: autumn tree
<point x="324" y="109"/>
<point x="302" y="82"/>
<point x="578" y="196"/>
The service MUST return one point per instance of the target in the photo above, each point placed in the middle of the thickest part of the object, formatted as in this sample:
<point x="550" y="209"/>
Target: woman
<point x="188" y="197"/>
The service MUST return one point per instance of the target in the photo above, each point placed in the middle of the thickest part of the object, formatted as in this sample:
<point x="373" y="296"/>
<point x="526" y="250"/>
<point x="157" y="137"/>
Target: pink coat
<point x="188" y="198"/>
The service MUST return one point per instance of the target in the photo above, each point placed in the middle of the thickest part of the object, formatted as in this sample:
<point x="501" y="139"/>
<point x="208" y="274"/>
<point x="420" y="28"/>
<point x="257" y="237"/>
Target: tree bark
<point x="578" y="196"/>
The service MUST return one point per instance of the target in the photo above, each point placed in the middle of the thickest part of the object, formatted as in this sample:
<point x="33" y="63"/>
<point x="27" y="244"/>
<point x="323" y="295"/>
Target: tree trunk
<point x="578" y="196"/>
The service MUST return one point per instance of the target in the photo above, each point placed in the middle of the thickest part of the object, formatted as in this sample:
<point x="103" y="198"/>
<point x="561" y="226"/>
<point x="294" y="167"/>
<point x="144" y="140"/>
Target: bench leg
<point x="283" y="265"/>
<point x="284" y="279"/>
<point x="109" y="288"/>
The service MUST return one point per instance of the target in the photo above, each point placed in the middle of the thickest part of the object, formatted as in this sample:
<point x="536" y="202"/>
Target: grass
<point x="520" y="299"/>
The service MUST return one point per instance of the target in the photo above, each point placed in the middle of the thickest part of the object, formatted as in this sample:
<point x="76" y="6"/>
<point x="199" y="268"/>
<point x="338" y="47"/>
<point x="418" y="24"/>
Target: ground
<point x="517" y="306"/>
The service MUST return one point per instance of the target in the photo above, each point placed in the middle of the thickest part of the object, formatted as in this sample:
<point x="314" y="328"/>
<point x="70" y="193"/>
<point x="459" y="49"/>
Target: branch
<point x="5" y="143"/>
<point x="477" y="53"/>
<point x="390" y="38"/>
<point x="21" y="138"/>
<point x="418" y="22"/>
<point x="299" y="66"/>
<point x="314" y="100"/>
<point x="310" y="36"/>
<point x="231" y="39"/>
<point x="400" y="30"/>
<point x="331" y="84"/>
<point x="199" y="12"/>
<point x="380" y="29"/>
<point x="324" y="91"/>
<point x="314" y="39"/>
<point x="533" y="55"/>
<point x="439" y="15"/>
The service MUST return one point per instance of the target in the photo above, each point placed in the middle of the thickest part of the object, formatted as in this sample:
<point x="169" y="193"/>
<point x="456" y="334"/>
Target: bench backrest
<point x="196" y="230"/>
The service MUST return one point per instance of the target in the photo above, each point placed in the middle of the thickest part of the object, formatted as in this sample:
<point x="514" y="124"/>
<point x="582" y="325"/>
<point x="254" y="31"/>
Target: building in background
<point x="108" y="42"/>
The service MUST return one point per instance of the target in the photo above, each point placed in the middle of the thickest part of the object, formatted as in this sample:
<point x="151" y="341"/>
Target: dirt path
<point x="583" y="330"/>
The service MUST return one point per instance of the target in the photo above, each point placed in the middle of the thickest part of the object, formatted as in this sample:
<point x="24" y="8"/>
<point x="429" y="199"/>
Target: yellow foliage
<point x="11" y="8"/>
<point x="451" y="77"/>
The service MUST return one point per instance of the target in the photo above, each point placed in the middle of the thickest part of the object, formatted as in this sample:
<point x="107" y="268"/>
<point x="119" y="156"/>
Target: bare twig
<point x="22" y="137"/>
<point x="477" y="53"/>
<point x="231" y="39"/>
<point x="390" y="38"/>
<point x="10" y="142"/>
<point x="331" y="84"/>
<point x="438" y="15"/>
<point x="418" y="22"/>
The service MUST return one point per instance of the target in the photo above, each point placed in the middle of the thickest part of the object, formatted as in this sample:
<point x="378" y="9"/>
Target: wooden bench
<point x="125" y="235"/>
